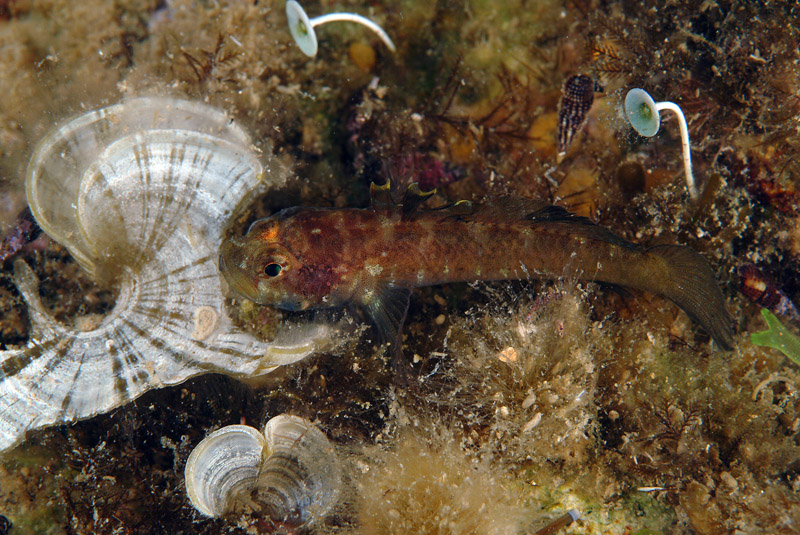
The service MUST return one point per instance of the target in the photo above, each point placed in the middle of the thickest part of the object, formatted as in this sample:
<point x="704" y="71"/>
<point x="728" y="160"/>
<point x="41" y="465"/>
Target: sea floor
<point x="513" y="402"/>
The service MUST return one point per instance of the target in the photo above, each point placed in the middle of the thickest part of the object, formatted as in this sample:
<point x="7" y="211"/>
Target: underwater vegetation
<point x="644" y="115"/>
<point x="777" y="336"/>
<point x="302" y="27"/>
<point x="24" y="231"/>
<point x="519" y="401"/>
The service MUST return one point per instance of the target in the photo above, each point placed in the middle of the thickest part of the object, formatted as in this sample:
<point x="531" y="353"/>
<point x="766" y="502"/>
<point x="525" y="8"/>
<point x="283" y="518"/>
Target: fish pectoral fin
<point x="387" y="307"/>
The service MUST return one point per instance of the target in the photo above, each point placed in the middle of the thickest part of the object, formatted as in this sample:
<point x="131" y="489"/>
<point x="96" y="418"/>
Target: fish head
<point x="260" y="268"/>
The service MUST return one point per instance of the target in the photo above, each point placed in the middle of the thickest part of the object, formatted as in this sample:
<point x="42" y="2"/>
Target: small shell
<point x="225" y="463"/>
<point x="576" y="101"/>
<point x="140" y="194"/>
<point x="300" y="481"/>
<point x="205" y="321"/>
<point x="762" y="290"/>
<point x="290" y="475"/>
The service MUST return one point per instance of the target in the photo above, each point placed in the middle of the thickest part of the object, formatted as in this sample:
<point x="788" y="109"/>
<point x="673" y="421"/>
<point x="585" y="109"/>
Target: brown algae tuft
<point x="426" y="483"/>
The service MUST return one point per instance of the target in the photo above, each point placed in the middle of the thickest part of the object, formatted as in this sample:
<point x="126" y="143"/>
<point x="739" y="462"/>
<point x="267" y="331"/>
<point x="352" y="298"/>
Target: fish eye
<point x="272" y="269"/>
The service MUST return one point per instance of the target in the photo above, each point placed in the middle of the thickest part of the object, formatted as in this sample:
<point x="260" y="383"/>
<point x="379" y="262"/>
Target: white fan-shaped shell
<point x="290" y="470"/>
<point x="225" y="463"/>
<point x="310" y="481"/>
<point x="140" y="193"/>
<point x="187" y="177"/>
<point x="58" y="168"/>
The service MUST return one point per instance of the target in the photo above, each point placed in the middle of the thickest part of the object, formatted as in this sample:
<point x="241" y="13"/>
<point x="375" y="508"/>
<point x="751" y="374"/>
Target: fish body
<point x="304" y="258"/>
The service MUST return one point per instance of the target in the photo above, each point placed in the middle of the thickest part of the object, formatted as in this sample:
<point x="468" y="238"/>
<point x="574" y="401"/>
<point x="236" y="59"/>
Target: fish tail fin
<point x="689" y="282"/>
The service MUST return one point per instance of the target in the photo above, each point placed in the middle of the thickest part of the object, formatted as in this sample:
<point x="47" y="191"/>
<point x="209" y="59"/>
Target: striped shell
<point x="223" y="465"/>
<point x="289" y="475"/>
<point x="139" y="193"/>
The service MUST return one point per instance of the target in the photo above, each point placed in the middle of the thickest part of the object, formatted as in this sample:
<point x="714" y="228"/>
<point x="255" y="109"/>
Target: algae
<point x="777" y="336"/>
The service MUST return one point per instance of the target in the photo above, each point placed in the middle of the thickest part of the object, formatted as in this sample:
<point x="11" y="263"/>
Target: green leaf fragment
<point x="777" y="337"/>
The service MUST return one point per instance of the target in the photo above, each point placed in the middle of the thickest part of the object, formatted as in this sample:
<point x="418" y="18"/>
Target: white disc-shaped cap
<point x="642" y="113"/>
<point x="301" y="28"/>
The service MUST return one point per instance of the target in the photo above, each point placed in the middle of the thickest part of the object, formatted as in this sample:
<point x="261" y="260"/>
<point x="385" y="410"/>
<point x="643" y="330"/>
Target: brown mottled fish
<point x="302" y="258"/>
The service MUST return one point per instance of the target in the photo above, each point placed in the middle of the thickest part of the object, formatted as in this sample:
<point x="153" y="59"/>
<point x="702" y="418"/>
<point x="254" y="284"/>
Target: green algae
<point x="777" y="336"/>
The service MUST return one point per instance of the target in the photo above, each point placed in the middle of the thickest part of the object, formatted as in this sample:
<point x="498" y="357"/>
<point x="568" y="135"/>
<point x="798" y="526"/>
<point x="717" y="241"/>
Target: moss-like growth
<point x="427" y="483"/>
<point x="530" y="376"/>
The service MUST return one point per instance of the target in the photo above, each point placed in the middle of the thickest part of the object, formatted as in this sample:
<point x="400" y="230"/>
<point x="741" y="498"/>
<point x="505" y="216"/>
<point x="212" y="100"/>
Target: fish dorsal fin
<point x="382" y="202"/>
<point x="380" y="197"/>
<point x="553" y="214"/>
<point x="413" y="198"/>
<point x="582" y="225"/>
<point x="387" y="305"/>
<point x="457" y="209"/>
<point x="506" y="208"/>
<point x="509" y="208"/>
